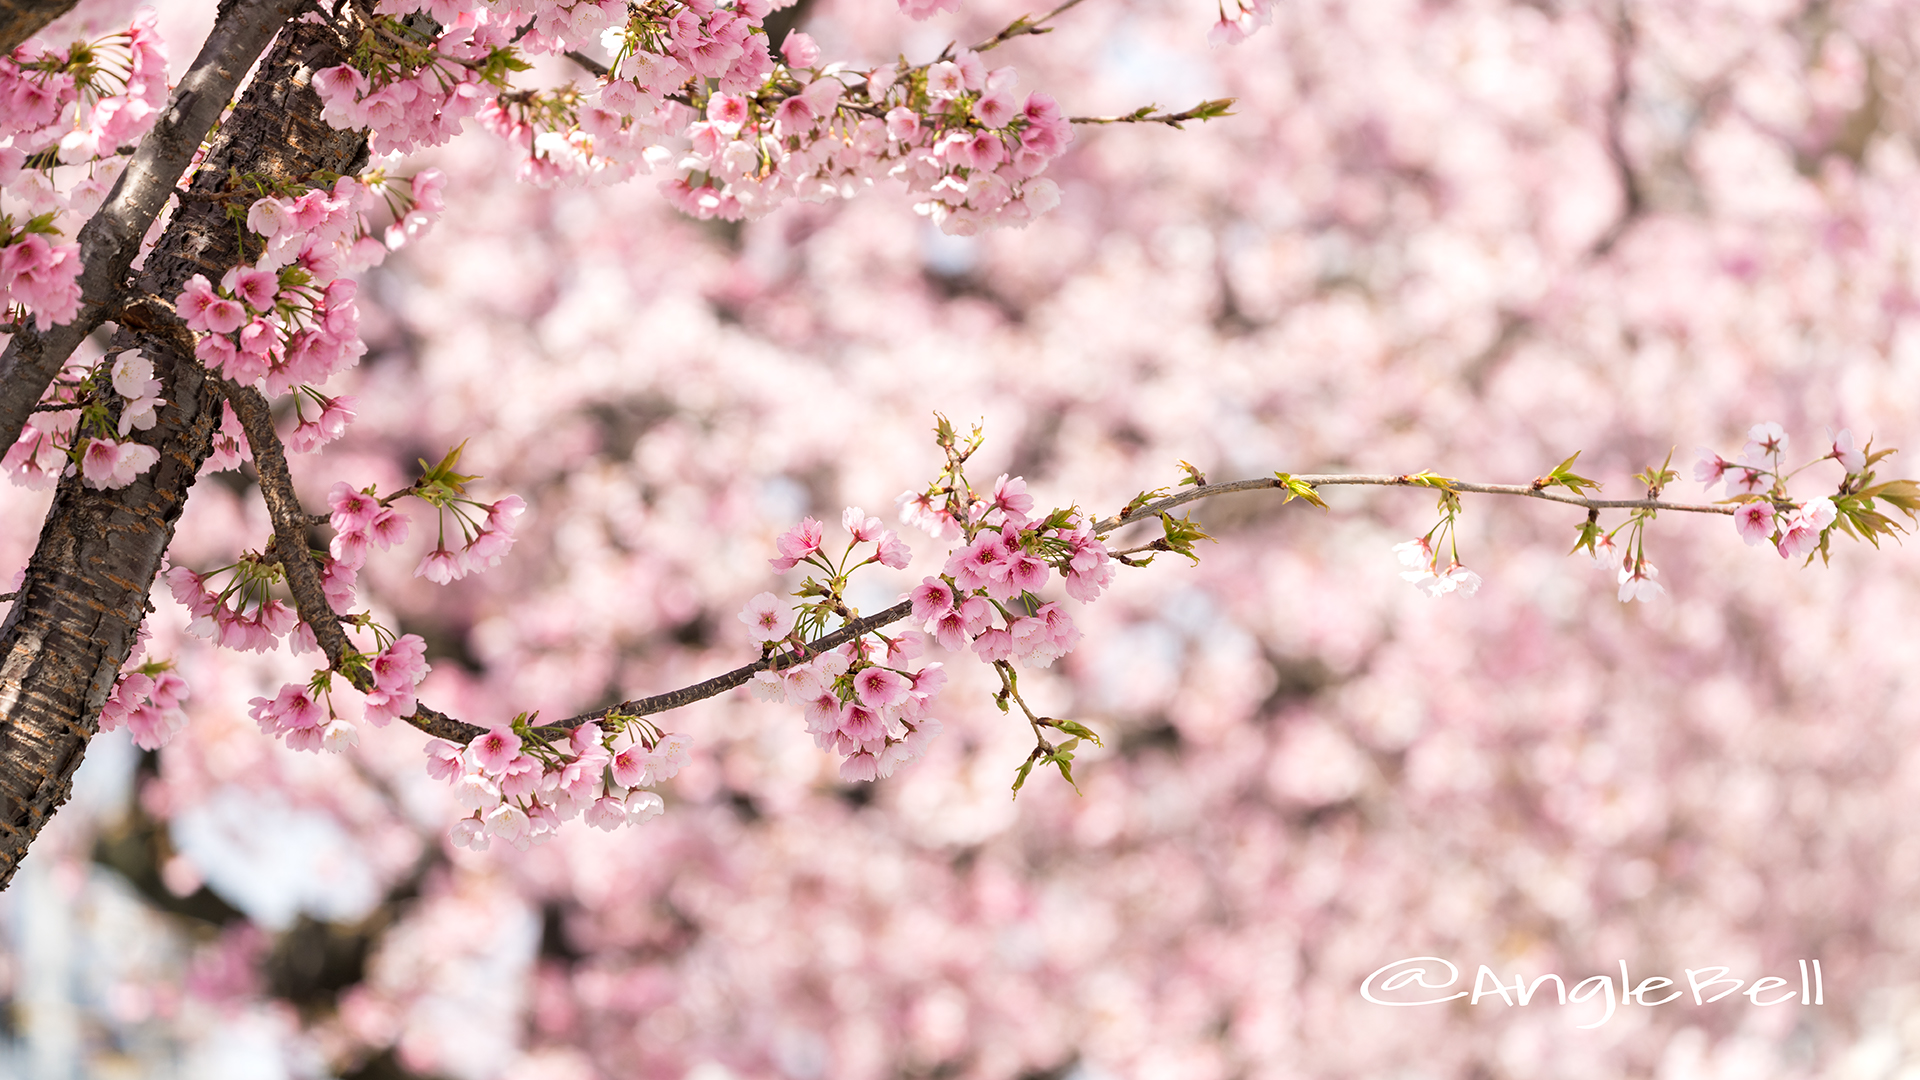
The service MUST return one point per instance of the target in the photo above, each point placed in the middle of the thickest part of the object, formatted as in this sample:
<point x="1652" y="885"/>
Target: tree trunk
<point x="85" y="593"/>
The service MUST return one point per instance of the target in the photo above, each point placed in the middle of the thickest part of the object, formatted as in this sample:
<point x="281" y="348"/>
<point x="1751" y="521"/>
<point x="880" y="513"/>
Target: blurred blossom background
<point x="1466" y="236"/>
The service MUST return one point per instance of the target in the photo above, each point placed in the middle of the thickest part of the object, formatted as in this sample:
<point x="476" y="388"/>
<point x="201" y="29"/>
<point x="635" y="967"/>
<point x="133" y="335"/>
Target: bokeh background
<point x="1470" y="236"/>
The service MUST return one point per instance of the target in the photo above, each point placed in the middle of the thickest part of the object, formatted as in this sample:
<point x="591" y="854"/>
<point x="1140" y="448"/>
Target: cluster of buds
<point x="1425" y="573"/>
<point x="38" y="273"/>
<point x="988" y="592"/>
<point x="521" y="781"/>
<point x="1239" y="20"/>
<point x="259" y="323"/>
<point x="862" y="702"/>
<point x="361" y="518"/>
<point x="288" y="321"/>
<point x="279" y="323"/>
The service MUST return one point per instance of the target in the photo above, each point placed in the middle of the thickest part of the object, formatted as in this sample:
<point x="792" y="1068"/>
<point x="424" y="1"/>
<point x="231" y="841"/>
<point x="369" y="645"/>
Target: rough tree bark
<point x="85" y="592"/>
<point x="21" y="19"/>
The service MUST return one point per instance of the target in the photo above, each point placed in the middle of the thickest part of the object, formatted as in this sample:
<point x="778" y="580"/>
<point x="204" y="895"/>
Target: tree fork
<point x="85" y="593"/>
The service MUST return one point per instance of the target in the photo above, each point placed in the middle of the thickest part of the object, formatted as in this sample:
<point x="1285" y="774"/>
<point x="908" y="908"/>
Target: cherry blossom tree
<point x="1432" y="244"/>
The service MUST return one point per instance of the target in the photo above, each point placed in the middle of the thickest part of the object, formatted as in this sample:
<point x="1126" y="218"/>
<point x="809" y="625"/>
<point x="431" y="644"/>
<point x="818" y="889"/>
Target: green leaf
<point x="443" y="475"/>
<point x="1076" y="729"/>
<point x="1063" y="759"/>
<point x="1298" y="489"/>
<point x="1657" y="479"/>
<point x="1059" y="519"/>
<point x="42" y="223"/>
<point x="1903" y="494"/>
<point x="1564" y="476"/>
<point x="1181" y="533"/>
<point x="1430" y="479"/>
<point x="1141" y="500"/>
<point x="1020" y="778"/>
<point x="1194" y="475"/>
<point x="1590" y="534"/>
<point x="1218" y="107"/>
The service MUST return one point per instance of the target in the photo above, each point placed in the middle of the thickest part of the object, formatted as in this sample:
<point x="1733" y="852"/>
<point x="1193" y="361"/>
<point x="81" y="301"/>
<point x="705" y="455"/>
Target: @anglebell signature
<point x="1413" y="982"/>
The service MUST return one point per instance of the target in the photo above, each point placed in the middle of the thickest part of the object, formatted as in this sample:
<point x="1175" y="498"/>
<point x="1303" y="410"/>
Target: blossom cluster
<point x="864" y="700"/>
<point x="1426" y="575"/>
<point x="242" y="614"/>
<point x="861" y="699"/>
<point x="305" y="717"/>
<point x="87" y="437"/>
<point x="694" y="91"/>
<point x="1757" y="479"/>
<point x="521" y="782"/>
<point x="289" y="317"/>
<point x="146" y="700"/>
<point x="79" y="106"/>
<point x="286" y="321"/>
<point x="1239" y="20"/>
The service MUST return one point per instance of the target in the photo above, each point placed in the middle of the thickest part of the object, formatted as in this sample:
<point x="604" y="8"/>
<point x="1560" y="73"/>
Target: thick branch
<point x="598" y="69"/>
<point x="290" y="531"/>
<point x="110" y="240"/>
<point x="21" y="19"/>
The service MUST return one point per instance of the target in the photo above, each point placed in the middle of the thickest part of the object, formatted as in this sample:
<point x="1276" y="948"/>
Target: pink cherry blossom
<point x="643" y="806"/>
<point x="799" y="50"/>
<point x="891" y="550"/>
<point x="444" y="760"/>
<point x="441" y="565"/>
<point x="1754" y="520"/>
<point x="495" y="750"/>
<point x="1636" y="582"/>
<point x="796" y="544"/>
<point x="1844" y="451"/>
<point x="932" y="599"/>
<point x="606" y="813"/>
<point x="881" y="688"/>
<point x="1710" y="467"/>
<point x="1763" y="441"/>
<point x="767" y="618"/>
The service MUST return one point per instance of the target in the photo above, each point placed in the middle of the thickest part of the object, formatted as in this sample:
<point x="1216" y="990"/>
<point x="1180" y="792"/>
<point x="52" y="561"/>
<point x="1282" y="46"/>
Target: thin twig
<point x="1020" y="27"/>
<point x="1207" y="491"/>
<point x="1206" y="110"/>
